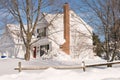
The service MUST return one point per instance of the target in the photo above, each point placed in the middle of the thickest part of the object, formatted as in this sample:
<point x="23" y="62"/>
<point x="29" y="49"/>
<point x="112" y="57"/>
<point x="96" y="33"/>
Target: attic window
<point x="41" y="32"/>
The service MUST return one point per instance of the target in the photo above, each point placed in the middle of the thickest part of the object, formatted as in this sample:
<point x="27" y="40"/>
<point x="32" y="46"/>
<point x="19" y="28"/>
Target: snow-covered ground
<point x="7" y="71"/>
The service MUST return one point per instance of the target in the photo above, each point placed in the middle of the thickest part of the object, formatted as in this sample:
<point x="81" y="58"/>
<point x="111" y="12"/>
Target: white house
<point x="11" y="44"/>
<point x="57" y="33"/>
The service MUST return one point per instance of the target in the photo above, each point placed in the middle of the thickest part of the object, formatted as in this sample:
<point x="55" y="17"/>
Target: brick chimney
<point x="66" y="45"/>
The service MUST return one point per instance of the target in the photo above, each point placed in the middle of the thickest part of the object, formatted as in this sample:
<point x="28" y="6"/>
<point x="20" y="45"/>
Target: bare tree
<point x="106" y="14"/>
<point x="25" y="12"/>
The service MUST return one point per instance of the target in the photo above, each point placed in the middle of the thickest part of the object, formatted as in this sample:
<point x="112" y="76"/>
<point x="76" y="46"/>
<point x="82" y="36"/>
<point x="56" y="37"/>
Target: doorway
<point x="44" y="49"/>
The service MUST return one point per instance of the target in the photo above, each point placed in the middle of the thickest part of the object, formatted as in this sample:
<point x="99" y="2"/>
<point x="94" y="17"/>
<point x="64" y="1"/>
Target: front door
<point x="34" y="52"/>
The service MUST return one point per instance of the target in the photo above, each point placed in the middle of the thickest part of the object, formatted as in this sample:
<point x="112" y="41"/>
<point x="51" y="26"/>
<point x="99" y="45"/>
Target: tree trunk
<point x="27" y="55"/>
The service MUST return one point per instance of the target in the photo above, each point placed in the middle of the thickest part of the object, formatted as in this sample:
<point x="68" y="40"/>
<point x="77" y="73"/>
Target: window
<point x="44" y="49"/>
<point x="41" y="32"/>
<point x="45" y="46"/>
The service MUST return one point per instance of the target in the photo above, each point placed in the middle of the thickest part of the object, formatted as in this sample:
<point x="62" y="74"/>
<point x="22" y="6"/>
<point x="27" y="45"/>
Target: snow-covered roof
<point x="11" y="36"/>
<point x="75" y="21"/>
